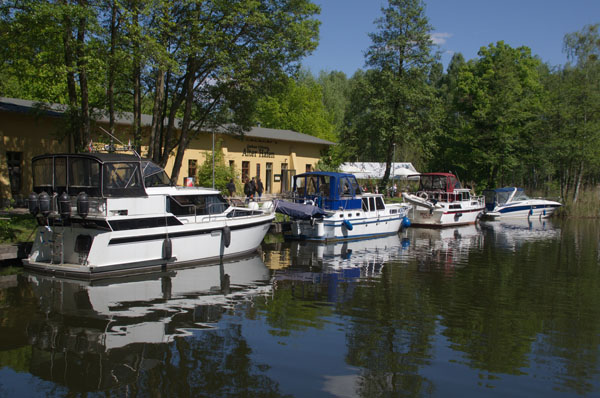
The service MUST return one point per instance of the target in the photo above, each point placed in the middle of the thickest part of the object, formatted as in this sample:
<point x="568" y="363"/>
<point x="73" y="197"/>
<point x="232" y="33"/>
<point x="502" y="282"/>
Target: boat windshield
<point x="520" y="195"/>
<point x="312" y="185"/>
<point x="433" y="183"/>
<point x="154" y="175"/>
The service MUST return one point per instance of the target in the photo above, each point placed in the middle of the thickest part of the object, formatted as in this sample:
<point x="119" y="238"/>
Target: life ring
<point x="423" y="195"/>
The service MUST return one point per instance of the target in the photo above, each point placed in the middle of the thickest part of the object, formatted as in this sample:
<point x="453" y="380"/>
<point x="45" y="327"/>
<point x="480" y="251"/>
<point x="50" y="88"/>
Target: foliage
<point x="392" y="105"/>
<point x="223" y="173"/>
<point x="7" y="233"/>
<point x="297" y="106"/>
<point x="499" y="100"/>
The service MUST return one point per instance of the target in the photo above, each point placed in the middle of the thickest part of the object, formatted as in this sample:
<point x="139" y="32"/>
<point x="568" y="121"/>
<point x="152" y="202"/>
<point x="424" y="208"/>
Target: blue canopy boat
<point x="331" y="206"/>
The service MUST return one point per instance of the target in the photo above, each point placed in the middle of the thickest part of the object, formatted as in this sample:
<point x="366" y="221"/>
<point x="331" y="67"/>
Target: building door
<point x="15" y="170"/>
<point x="284" y="178"/>
<point x="268" y="177"/>
<point x="245" y="170"/>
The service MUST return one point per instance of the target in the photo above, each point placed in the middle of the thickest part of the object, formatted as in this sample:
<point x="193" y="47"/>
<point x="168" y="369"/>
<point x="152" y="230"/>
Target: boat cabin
<point x="329" y="190"/>
<point x="501" y="196"/>
<point x="443" y="187"/>
<point x="96" y="174"/>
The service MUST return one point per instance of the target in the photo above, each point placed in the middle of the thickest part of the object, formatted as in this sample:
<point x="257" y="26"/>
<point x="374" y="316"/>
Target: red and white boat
<point x="441" y="201"/>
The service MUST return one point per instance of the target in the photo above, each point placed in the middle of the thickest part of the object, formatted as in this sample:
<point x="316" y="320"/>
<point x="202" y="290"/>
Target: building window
<point x="309" y="167"/>
<point x="257" y="170"/>
<point x="14" y="160"/>
<point x="245" y="170"/>
<point x="231" y="164"/>
<point x="192" y="167"/>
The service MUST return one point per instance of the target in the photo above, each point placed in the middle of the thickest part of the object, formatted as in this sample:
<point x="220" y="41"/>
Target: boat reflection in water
<point x="94" y="335"/>
<point x="513" y="233"/>
<point x="447" y="247"/>
<point x="332" y="269"/>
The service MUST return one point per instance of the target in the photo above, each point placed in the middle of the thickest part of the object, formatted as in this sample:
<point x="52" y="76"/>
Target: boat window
<point x="84" y="176"/>
<point x="189" y="205"/>
<point x="311" y="185"/>
<point x="60" y="174"/>
<point x="345" y="184"/>
<point x="324" y="187"/>
<point x="365" y="204"/>
<point x="42" y="175"/>
<point x="372" y="204"/>
<point x="455" y="183"/>
<point x="122" y="179"/>
<point x="520" y="195"/>
<point x="300" y="186"/>
<point x="154" y="175"/>
<point x="379" y="203"/>
<point x="503" y="197"/>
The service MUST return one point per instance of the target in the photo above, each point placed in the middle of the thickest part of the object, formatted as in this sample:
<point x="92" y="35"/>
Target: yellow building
<point x="28" y="129"/>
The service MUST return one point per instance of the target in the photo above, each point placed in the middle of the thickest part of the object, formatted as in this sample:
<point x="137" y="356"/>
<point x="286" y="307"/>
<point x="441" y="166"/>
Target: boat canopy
<point x="96" y="174"/>
<point x="441" y="182"/>
<point x="500" y="196"/>
<point x="328" y="190"/>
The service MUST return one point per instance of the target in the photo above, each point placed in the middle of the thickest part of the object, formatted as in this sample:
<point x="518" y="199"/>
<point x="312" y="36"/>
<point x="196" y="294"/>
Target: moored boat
<point x="441" y="201"/>
<point x="106" y="214"/>
<point x="329" y="206"/>
<point x="512" y="202"/>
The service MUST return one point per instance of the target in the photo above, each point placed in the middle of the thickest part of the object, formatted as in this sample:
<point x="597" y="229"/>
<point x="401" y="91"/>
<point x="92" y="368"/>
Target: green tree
<point x="393" y="107"/>
<point x="223" y="173"/>
<point x="499" y="98"/>
<point x="297" y="106"/>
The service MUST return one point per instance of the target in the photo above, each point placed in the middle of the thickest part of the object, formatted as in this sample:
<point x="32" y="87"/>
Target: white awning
<point x="374" y="170"/>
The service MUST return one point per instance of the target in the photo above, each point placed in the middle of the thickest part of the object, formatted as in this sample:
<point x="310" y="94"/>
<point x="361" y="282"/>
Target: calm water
<point x="489" y="311"/>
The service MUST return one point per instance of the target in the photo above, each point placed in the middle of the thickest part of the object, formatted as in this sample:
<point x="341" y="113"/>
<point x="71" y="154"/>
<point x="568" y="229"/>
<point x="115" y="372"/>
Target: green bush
<point x="223" y="173"/>
<point x="7" y="232"/>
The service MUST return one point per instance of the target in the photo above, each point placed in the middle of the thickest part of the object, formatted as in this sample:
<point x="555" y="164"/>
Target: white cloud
<point x="440" y="38"/>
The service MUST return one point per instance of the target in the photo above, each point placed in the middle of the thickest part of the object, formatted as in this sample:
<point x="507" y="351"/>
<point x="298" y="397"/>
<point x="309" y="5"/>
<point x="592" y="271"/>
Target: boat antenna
<point x="125" y="147"/>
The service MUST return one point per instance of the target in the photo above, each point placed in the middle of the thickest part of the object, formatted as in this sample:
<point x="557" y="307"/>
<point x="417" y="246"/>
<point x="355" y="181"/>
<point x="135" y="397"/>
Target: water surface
<point x="494" y="310"/>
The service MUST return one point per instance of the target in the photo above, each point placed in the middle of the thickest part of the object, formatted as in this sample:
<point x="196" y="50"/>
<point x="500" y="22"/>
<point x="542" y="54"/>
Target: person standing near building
<point x="248" y="190"/>
<point x="231" y="187"/>
<point x="259" y="188"/>
<point x="253" y="186"/>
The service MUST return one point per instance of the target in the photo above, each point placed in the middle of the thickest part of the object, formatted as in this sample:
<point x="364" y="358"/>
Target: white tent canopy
<point x="368" y="170"/>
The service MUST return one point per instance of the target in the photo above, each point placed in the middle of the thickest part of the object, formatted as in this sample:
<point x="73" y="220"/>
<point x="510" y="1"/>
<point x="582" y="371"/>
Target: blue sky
<point x="458" y="25"/>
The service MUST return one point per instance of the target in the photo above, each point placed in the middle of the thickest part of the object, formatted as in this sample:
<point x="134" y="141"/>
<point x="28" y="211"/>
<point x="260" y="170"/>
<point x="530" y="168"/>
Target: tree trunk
<point x="185" y="126"/>
<point x="578" y="183"/>
<point x="75" y="134"/>
<point x="110" y="90"/>
<point x="137" y="89"/>
<point x="154" y="145"/>
<point x="388" y="162"/>
<point x="83" y="83"/>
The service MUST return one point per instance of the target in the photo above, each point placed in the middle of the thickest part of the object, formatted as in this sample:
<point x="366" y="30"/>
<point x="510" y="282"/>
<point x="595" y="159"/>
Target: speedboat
<point x="441" y="201"/>
<point x="328" y="206"/>
<point x="512" y="202"/>
<point x="108" y="214"/>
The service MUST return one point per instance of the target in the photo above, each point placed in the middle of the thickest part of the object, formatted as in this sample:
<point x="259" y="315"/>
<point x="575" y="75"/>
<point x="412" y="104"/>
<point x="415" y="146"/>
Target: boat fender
<point x="64" y="205"/>
<point x="348" y="225"/>
<point x="167" y="249"/>
<point x="83" y="205"/>
<point x="226" y="236"/>
<point x="44" y="203"/>
<point x="405" y="222"/>
<point x="32" y="204"/>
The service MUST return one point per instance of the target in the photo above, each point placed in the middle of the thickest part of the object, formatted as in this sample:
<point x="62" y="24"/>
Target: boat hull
<point x="543" y="209"/>
<point x="114" y="253"/>
<point x="421" y="217"/>
<point x="345" y="228"/>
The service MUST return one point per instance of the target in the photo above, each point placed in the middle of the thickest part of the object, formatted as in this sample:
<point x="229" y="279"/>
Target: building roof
<point x="57" y="110"/>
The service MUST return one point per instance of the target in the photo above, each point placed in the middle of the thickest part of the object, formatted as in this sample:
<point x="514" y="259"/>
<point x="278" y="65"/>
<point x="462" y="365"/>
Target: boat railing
<point x="441" y="196"/>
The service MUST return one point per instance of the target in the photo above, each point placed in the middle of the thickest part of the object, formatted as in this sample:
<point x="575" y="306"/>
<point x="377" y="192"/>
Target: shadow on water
<point x="504" y="308"/>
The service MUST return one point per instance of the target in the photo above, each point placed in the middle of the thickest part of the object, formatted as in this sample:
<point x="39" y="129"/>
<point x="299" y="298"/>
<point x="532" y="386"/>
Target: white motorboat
<point x="512" y="202"/>
<point x="441" y="201"/>
<point x="329" y="206"/>
<point x="106" y="214"/>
